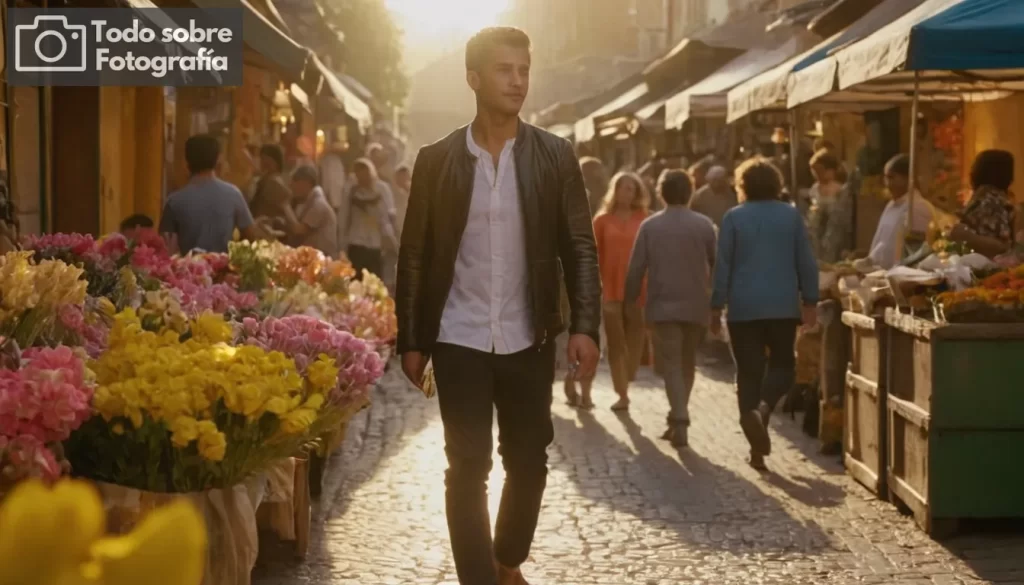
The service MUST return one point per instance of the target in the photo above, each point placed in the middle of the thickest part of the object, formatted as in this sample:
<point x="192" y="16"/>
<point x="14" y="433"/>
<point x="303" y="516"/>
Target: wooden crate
<point x="955" y="414"/>
<point x="864" y="425"/>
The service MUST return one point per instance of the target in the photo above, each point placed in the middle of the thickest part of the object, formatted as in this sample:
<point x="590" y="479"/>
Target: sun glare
<point x="442" y="18"/>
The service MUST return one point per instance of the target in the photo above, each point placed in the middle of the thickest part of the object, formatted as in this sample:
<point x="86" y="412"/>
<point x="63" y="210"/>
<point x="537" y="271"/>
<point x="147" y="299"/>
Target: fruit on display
<point x="997" y="298"/>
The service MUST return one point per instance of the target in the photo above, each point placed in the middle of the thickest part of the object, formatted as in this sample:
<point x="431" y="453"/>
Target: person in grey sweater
<point x="675" y="251"/>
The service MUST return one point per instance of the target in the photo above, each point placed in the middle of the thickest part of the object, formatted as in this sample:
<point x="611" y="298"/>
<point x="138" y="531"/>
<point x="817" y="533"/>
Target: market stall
<point x="954" y="412"/>
<point x="207" y="378"/>
<point x="864" y="428"/>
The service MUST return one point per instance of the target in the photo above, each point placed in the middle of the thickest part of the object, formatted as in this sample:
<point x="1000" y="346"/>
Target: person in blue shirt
<point x="766" y="278"/>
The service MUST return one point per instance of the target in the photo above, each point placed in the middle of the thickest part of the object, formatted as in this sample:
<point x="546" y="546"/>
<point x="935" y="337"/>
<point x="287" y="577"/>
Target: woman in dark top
<point x="987" y="223"/>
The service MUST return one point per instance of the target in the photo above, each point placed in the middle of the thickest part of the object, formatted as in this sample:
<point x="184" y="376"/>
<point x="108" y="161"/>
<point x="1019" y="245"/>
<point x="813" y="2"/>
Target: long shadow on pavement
<point x="707" y="506"/>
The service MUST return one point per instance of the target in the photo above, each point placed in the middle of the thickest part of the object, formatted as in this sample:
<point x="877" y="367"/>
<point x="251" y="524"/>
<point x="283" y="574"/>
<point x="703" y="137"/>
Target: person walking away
<point x="370" y="228"/>
<point x="204" y="214"/>
<point x="831" y="216"/>
<point x="767" y="278"/>
<point x="887" y="244"/>
<point x="615" y="229"/>
<point x="987" y="222"/>
<point x="333" y="181"/>
<point x="311" y="222"/>
<point x="675" y="250"/>
<point x="495" y="208"/>
<point x="716" y="197"/>
<point x="595" y="179"/>
<point x="272" y="193"/>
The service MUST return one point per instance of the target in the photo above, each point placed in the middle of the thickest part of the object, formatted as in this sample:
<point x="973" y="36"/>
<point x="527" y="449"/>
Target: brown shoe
<point x="507" y="576"/>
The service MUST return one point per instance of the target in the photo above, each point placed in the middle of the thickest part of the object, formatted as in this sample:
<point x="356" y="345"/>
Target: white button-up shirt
<point x="488" y="307"/>
<point x="887" y="245"/>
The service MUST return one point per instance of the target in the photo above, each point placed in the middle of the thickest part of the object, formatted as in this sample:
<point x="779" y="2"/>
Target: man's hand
<point x="809" y="316"/>
<point x="715" y="323"/>
<point x="414" y="363"/>
<point x="583" y="353"/>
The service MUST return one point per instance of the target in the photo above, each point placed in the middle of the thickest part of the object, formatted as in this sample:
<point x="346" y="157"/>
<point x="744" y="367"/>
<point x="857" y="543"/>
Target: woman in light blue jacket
<point x="767" y="278"/>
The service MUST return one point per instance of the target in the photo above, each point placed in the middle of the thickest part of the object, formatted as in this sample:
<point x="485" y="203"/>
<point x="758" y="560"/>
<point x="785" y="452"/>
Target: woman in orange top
<point x="615" y="228"/>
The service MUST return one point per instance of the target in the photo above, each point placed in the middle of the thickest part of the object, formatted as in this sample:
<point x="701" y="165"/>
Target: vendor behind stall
<point x="987" y="223"/>
<point x="887" y="245"/>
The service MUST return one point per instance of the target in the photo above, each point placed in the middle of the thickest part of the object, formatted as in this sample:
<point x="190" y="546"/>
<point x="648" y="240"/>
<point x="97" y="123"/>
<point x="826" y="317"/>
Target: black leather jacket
<point x="559" y="236"/>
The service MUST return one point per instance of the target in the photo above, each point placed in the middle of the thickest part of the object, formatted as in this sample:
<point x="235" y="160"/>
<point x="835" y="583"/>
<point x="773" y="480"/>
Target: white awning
<point x="885" y="51"/>
<point x="708" y="98"/>
<point x="816" y="76"/>
<point x="354" y="107"/>
<point x="767" y="90"/>
<point x="585" y="126"/>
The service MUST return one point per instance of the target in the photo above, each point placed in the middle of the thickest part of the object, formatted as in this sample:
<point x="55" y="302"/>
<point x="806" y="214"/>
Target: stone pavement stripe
<point x="623" y="507"/>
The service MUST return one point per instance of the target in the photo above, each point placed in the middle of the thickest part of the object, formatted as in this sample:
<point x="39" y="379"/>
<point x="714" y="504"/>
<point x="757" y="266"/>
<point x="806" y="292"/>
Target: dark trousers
<point x="765" y="360"/>
<point x="471" y="385"/>
<point x="369" y="258"/>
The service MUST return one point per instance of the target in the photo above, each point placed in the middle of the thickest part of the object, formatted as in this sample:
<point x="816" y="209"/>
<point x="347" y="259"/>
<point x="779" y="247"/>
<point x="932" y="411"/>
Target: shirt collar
<point x="476" y="150"/>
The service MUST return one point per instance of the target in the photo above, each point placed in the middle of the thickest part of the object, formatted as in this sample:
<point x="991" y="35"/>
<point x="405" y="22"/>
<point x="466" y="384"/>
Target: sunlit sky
<point x="433" y="27"/>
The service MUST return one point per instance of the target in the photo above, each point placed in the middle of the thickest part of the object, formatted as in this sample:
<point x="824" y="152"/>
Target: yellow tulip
<point x="47" y="533"/>
<point x="167" y="548"/>
<point x="59" y="541"/>
<point x="213" y="446"/>
<point x="184" y="430"/>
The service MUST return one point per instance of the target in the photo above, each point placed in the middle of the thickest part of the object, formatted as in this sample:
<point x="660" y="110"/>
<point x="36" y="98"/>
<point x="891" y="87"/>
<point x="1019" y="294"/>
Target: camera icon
<point x="43" y="46"/>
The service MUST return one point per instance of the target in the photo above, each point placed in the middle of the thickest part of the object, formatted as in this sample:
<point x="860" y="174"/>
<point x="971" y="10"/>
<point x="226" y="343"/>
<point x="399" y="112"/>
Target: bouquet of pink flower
<point x="305" y="339"/>
<point x="41" y="401"/>
<point x="71" y="248"/>
<point x="26" y="457"/>
<point x="86" y="326"/>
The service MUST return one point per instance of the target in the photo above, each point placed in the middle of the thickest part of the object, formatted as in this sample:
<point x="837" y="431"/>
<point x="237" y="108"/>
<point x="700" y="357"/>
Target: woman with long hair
<point x="767" y="278"/>
<point x="369" y="221"/>
<point x="624" y="208"/>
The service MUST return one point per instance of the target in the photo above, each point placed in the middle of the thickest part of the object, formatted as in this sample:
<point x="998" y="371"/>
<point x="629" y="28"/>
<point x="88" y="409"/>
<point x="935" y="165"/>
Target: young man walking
<point x="497" y="213"/>
<point x="675" y="251"/>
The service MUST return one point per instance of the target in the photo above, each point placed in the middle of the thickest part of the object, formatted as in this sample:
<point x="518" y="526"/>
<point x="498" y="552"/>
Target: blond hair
<point x="641" y="201"/>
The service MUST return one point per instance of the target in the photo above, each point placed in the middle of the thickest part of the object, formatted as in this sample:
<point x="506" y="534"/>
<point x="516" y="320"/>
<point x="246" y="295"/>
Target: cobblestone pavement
<point x="623" y="507"/>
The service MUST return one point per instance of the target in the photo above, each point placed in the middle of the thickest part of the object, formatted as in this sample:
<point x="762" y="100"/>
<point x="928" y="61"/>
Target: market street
<point x="623" y="507"/>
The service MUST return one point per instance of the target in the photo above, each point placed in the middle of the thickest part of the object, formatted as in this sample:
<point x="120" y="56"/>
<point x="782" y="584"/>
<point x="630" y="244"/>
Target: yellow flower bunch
<point x="189" y="386"/>
<point x="56" y="537"/>
<point x="48" y="285"/>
